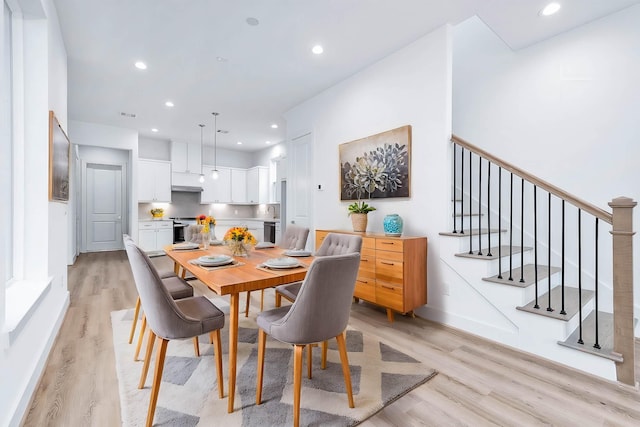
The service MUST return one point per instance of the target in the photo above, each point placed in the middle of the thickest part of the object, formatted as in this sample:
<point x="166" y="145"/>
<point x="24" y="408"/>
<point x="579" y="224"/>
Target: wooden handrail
<point x="579" y="203"/>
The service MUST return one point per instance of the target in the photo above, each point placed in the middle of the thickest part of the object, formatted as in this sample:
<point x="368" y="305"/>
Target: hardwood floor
<point x="479" y="382"/>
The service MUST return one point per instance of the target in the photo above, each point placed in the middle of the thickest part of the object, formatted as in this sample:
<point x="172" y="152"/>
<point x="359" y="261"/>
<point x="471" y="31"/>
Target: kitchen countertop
<point x="217" y="219"/>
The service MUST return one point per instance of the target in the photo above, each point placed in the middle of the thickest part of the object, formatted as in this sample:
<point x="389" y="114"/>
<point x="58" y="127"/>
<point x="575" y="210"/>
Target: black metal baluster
<point x="454" y="190"/>
<point x="562" y="311"/>
<point x="462" y="190"/>
<point x="597" y="344"/>
<point x="499" y="222"/>
<point x="535" y="242"/>
<point x="549" y="260"/>
<point x="580" y="341"/>
<point x="489" y="207"/>
<point x="470" y="200"/>
<point x="522" y="230"/>
<point x="511" y="230"/>
<point x="479" y="205"/>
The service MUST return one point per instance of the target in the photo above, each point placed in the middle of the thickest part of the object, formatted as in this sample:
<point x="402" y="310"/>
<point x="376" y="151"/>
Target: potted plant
<point x="358" y="212"/>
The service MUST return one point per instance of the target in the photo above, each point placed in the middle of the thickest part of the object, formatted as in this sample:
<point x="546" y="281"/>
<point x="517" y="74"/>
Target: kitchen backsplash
<point x="187" y="205"/>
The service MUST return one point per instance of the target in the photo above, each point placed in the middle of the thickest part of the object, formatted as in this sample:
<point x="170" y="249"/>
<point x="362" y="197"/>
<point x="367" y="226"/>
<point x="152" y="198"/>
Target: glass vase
<point x="238" y="248"/>
<point x="392" y="225"/>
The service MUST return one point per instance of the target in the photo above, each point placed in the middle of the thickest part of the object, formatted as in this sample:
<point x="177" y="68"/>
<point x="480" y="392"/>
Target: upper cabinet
<point x="216" y="190"/>
<point x="185" y="158"/>
<point x="154" y="181"/>
<point x="258" y="185"/>
<point x="238" y="185"/>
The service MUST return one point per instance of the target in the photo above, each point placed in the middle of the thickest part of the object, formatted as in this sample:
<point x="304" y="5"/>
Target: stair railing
<point x="621" y="231"/>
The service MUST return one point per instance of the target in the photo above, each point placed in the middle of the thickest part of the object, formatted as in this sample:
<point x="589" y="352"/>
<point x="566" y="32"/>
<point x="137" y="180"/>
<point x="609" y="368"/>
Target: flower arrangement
<point x="207" y="221"/>
<point x="157" y="212"/>
<point x="239" y="240"/>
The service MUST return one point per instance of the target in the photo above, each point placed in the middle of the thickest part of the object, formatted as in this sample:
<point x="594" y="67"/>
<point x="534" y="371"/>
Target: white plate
<point x="293" y="252"/>
<point x="186" y="245"/>
<point x="282" y="263"/>
<point x="214" y="260"/>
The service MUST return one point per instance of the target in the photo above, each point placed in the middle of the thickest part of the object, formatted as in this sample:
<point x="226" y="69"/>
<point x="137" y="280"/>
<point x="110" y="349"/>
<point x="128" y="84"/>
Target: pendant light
<point x="201" y="154"/>
<point x="214" y="173"/>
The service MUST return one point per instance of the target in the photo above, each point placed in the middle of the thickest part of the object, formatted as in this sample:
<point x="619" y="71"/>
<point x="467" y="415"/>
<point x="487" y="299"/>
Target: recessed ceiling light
<point x="221" y="59"/>
<point x="274" y="126"/>
<point x="267" y="142"/>
<point x="239" y="143"/>
<point x="317" y="49"/>
<point x="550" y="9"/>
<point x="154" y="130"/>
<point x="252" y="21"/>
<point x="169" y="104"/>
<point x="141" y="65"/>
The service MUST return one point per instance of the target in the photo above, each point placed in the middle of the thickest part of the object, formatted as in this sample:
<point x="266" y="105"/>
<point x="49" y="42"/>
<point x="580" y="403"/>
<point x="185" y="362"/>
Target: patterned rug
<point x="188" y="395"/>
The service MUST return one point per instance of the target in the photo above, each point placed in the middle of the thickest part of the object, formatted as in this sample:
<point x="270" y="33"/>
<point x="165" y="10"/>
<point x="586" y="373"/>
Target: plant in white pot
<point x="358" y="212"/>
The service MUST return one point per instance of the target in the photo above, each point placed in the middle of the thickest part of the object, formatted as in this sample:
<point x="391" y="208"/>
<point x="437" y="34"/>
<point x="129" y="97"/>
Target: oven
<point x="179" y="228"/>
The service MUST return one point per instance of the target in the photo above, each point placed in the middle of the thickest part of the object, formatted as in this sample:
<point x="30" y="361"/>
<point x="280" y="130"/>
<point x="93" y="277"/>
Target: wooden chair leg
<point x="147" y="359"/>
<point x="325" y="345"/>
<point x="344" y="360"/>
<point x="143" y="328"/>
<point x="246" y="309"/>
<point x="136" y="312"/>
<point x="278" y="299"/>
<point x="262" y="300"/>
<point x="215" y="340"/>
<point x="184" y="273"/>
<point x="196" y="346"/>
<point x="157" y="379"/>
<point x="309" y="359"/>
<point x="297" y="383"/>
<point x="262" y="341"/>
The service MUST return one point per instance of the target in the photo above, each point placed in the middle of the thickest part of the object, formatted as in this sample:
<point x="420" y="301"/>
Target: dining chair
<point x="294" y="238"/>
<point x="320" y="312"/>
<point x="193" y="233"/>
<point x="171" y="319"/>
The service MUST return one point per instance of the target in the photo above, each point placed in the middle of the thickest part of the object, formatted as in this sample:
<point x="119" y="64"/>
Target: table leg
<point x="233" y="347"/>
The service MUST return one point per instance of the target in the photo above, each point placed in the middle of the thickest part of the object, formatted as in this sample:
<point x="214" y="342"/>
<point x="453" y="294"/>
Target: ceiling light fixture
<point x="141" y="65"/>
<point x="154" y="130"/>
<point x="239" y="143"/>
<point x="274" y="126"/>
<point x="317" y="49"/>
<point x="253" y="21"/>
<point x="201" y="153"/>
<point x="550" y="9"/>
<point x="169" y="104"/>
<point x="267" y="142"/>
<point x="214" y="172"/>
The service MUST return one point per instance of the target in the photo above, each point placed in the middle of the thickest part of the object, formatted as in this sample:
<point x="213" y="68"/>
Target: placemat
<point x="234" y="263"/>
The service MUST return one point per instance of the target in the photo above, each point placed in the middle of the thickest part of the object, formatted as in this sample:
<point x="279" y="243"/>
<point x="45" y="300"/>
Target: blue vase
<point x="392" y="225"/>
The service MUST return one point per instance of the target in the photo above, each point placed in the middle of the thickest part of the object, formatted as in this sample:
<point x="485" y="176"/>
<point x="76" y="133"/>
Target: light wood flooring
<point x="479" y="382"/>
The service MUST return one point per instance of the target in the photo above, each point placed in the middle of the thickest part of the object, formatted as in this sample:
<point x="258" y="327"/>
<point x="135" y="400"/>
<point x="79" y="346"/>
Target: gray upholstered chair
<point x="294" y="238"/>
<point x="169" y="319"/>
<point x="320" y="312"/>
<point x="193" y="233"/>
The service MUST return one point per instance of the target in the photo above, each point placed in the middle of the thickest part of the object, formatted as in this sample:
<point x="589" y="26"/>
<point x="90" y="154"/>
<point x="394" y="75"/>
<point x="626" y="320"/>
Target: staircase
<point x="536" y="268"/>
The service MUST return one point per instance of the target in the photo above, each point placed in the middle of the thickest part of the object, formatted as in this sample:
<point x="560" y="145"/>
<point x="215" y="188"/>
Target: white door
<point x="300" y="173"/>
<point x="104" y="207"/>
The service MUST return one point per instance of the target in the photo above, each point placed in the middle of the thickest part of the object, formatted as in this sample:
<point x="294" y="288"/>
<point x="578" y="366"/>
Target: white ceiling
<point x="268" y="68"/>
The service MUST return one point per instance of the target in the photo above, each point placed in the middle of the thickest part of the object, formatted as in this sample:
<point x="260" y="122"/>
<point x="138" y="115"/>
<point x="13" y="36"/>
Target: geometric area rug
<point x="188" y="394"/>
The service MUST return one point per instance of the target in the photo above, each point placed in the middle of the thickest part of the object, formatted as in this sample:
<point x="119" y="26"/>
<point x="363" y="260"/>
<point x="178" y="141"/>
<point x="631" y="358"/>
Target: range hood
<point x="186" y="189"/>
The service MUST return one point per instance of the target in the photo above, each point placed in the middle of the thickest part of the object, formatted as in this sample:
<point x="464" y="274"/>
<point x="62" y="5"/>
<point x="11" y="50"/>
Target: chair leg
<point x="344" y="360"/>
<point x="262" y="341"/>
<point x="325" y="345"/>
<point x="147" y="359"/>
<point x="246" y="309"/>
<point x="278" y="299"/>
<point x="143" y="328"/>
<point x="309" y="359"/>
<point x="261" y="299"/>
<point x="136" y="312"/>
<point x="215" y="340"/>
<point x="157" y="379"/>
<point x="196" y="346"/>
<point x="297" y="383"/>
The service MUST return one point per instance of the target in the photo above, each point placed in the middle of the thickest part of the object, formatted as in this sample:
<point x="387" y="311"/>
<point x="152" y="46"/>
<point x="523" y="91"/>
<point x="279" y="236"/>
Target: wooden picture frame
<point x="59" y="151"/>
<point x="377" y="166"/>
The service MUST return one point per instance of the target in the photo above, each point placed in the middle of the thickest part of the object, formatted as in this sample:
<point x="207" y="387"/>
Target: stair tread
<point x="570" y="305"/>
<point x="605" y="332"/>
<point x="494" y="252"/>
<point x="474" y="232"/>
<point x="528" y="273"/>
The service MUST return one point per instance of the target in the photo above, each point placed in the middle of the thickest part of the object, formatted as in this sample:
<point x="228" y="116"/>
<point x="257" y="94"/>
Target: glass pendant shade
<point x="214" y="174"/>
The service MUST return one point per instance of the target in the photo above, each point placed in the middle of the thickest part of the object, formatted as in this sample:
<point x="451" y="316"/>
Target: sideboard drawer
<point x="389" y="295"/>
<point x="365" y="288"/>
<point x="389" y="245"/>
<point x="390" y="271"/>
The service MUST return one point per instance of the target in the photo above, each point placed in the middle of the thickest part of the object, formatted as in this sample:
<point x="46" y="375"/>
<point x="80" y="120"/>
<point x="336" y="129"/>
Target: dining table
<point x="245" y="274"/>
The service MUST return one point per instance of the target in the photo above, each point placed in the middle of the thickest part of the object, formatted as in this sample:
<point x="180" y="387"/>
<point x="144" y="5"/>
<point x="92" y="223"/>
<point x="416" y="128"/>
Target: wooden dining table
<point x="231" y="280"/>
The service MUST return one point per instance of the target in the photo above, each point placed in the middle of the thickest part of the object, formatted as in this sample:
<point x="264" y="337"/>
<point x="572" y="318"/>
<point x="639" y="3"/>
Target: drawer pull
<point x="386" y="263"/>
<point x="364" y="260"/>
<point x="387" y="243"/>
<point x="388" y="287"/>
<point x="363" y="281"/>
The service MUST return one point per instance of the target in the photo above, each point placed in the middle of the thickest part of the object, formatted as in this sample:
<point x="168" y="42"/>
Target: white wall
<point x="409" y="87"/>
<point x="565" y="109"/>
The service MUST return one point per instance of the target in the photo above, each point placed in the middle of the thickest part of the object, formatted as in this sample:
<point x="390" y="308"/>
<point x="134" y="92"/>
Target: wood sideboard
<point x="393" y="270"/>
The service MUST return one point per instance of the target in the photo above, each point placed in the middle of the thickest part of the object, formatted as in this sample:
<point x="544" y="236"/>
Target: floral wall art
<point x="377" y="166"/>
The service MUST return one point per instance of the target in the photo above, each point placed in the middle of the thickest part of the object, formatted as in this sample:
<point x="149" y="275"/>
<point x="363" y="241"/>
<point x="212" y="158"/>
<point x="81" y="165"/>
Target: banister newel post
<point x="623" y="336"/>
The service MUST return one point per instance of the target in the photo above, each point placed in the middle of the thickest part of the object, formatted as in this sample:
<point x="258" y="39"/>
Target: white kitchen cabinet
<point x="238" y="185"/>
<point x="258" y="185"/>
<point x="216" y="190"/>
<point x="154" y="235"/>
<point x="154" y="181"/>
<point x="185" y="157"/>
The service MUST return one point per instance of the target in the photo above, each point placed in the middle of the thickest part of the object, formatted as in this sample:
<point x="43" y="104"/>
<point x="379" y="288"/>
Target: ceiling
<point x="203" y="55"/>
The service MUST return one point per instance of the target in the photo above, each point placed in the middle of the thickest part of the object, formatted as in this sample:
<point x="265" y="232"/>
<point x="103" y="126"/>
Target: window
<point x="6" y="145"/>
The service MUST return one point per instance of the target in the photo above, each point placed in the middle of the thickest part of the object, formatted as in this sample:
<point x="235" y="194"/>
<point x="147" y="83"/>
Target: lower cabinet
<point x="392" y="273"/>
<point x="154" y="235"/>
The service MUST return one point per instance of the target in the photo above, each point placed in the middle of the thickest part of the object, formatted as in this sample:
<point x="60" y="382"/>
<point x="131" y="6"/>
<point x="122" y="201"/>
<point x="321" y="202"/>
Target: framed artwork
<point x="59" y="147"/>
<point x="378" y="166"/>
